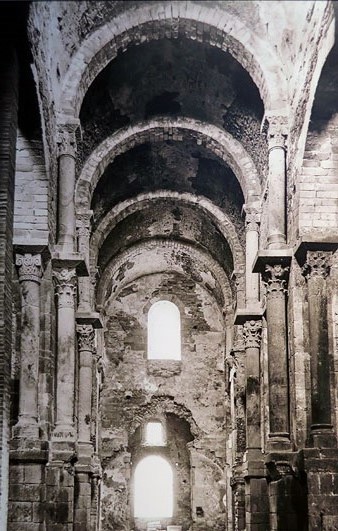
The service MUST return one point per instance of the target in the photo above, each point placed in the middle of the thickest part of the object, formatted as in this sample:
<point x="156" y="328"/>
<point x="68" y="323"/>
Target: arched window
<point x="153" y="488"/>
<point x="154" y="434"/>
<point x="164" y="331"/>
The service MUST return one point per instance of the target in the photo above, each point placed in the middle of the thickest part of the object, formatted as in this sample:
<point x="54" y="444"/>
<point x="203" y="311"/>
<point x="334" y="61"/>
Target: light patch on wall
<point x="153" y="488"/>
<point x="154" y="435"/>
<point x="164" y="331"/>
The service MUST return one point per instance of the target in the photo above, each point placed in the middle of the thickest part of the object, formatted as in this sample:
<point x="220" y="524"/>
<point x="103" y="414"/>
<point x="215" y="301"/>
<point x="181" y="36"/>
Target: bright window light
<point x="164" y="331"/>
<point x="154" y="435"/>
<point x="153" y="488"/>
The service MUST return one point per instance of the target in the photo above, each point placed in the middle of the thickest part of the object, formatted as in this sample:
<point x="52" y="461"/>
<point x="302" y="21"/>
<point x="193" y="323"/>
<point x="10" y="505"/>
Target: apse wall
<point x="136" y="390"/>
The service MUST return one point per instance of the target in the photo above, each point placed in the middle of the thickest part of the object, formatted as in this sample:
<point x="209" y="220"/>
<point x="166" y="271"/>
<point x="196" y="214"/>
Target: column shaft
<point x="252" y="336"/>
<point x="277" y="184"/>
<point x="65" y="280"/>
<point x="251" y="249"/>
<point x="66" y="205"/>
<point x="252" y="279"/>
<point x="276" y="278"/>
<point x="83" y="234"/>
<point x="29" y="270"/>
<point x="86" y="349"/>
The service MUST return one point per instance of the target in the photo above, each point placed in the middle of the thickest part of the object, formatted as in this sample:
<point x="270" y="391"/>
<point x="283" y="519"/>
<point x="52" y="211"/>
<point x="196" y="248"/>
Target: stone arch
<point x="124" y="209"/>
<point x="160" y="405"/>
<point x="221" y="143"/>
<point x="112" y="271"/>
<point x="151" y="22"/>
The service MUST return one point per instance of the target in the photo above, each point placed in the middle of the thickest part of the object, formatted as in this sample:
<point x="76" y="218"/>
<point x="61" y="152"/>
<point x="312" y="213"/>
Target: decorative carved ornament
<point x="86" y="337"/>
<point x="318" y="264"/>
<point x="252" y="220"/>
<point x="252" y="332"/>
<point x="275" y="278"/>
<point x="29" y="267"/>
<point x="66" y="140"/>
<point x="83" y="223"/>
<point x="65" y="287"/>
<point x="277" y="132"/>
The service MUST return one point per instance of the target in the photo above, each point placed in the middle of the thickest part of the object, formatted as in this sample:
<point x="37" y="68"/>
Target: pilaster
<point x="315" y="259"/>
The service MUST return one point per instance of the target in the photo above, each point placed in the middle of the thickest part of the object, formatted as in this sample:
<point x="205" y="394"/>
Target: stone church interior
<point x="169" y="265"/>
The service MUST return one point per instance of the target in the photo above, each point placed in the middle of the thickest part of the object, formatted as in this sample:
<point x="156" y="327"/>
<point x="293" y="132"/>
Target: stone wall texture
<point x="184" y="151"/>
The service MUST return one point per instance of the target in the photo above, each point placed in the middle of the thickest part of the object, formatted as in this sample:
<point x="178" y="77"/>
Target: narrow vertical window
<point x="153" y="488"/>
<point x="164" y="331"/>
<point x="154" y="434"/>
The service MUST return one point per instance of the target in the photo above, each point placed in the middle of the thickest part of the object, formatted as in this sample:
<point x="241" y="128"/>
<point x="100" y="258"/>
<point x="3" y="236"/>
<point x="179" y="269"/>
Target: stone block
<point x="20" y="511"/>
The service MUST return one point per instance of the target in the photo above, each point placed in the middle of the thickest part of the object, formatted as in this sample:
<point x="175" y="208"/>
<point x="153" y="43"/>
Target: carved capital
<point x="252" y="220"/>
<point x="65" y="287"/>
<point x="86" y="337"/>
<point x="252" y="332"/>
<point x="318" y="264"/>
<point x="277" y="132"/>
<point x="66" y="139"/>
<point x="83" y="223"/>
<point x="29" y="267"/>
<point x="275" y="278"/>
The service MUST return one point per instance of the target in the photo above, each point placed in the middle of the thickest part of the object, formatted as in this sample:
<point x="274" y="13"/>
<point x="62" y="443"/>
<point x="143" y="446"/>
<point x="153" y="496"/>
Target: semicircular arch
<point x="128" y="207"/>
<point x="218" y="141"/>
<point x="116" y="271"/>
<point x="153" y="21"/>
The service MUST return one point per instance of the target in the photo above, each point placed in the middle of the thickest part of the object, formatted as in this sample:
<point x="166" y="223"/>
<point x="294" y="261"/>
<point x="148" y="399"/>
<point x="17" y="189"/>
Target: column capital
<point x="252" y="332"/>
<point x="317" y="264"/>
<point x="86" y="337"/>
<point x="29" y="267"/>
<point x="252" y="219"/>
<point x="275" y="278"/>
<point x="83" y="222"/>
<point x="66" y="139"/>
<point x="65" y="281"/>
<point x="277" y="131"/>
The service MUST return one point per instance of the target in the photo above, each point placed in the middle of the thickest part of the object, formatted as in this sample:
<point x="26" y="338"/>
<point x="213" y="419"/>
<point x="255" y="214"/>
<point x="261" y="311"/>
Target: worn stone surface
<point x="159" y="146"/>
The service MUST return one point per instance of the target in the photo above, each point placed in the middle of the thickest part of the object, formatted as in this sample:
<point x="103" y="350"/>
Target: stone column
<point x="30" y="272"/>
<point x="83" y="235"/>
<point x="252" y="242"/>
<point x="66" y="186"/>
<point x="86" y="336"/>
<point x="277" y="134"/>
<point x="256" y="490"/>
<point x="252" y="331"/>
<point x="275" y="277"/>
<point x="65" y="283"/>
<point x="316" y="270"/>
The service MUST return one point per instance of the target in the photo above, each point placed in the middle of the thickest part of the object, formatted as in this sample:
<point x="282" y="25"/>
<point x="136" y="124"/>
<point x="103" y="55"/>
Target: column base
<point x="32" y="451"/>
<point x="63" y="442"/>
<point x="278" y="442"/>
<point x="85" y="452"/>
<point x="26" y="429"/>
<point x="253" y="464"/>
<point x="322" y="436"/>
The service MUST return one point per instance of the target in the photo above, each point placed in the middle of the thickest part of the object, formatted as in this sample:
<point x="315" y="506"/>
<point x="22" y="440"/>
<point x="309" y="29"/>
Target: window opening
<point x="153" y="488"/>
<point x="164" y="331"/>
<point x="154" y="434"/>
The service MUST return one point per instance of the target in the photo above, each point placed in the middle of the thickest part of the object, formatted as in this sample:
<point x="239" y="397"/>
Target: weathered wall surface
<point x="136" y="390"/>
<point x="8" y="125"/>
<point x="31" y="220"/>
